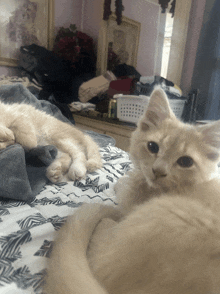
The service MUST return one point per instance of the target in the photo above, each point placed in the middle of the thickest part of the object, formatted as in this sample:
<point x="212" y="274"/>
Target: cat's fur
<point x="168" y="242"/>
<point x="30" y="127"/>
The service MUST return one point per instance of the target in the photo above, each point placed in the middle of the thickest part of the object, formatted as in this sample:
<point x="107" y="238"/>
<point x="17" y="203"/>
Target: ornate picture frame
<point x="119" y="42"/>
<point x="22" y="23"/>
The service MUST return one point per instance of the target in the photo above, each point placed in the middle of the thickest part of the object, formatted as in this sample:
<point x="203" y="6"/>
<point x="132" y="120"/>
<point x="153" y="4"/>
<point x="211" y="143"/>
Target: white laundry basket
<point x="130" y="108"/>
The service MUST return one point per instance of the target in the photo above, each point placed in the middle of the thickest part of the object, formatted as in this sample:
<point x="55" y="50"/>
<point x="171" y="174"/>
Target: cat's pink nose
<point x="159" y="172"/>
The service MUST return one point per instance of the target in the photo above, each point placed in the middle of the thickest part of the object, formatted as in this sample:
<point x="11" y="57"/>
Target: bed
<point x="28" y="225"/>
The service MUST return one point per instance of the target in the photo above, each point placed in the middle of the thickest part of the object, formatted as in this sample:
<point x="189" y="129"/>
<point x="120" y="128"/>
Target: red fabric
<point x="120" y="87"/>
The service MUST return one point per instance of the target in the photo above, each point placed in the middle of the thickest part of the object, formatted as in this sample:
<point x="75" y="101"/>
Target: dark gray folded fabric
<point x="14" y="182"/>
<point x="41" y="155"/>
<point x="21" y="179"/>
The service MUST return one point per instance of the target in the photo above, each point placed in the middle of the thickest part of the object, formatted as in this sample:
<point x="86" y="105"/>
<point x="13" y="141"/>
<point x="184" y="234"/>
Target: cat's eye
<point x="153" y="147"/>
<point x="185" y="161"/>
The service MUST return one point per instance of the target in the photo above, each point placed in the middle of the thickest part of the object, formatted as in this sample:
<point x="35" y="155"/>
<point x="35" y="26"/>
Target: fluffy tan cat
<point x="77" y="152"/>
<point x="167" y="240"/>
<point x="168" y="155"/>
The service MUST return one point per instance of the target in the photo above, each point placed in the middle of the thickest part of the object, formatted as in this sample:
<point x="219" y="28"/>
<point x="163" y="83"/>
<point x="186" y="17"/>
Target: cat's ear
<point x="157" y="111"/>
<point x="211" y="133"/>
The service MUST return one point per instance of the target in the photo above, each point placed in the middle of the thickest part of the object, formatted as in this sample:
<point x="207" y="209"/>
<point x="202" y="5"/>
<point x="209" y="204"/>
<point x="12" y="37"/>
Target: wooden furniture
<point x="120" y="131"/>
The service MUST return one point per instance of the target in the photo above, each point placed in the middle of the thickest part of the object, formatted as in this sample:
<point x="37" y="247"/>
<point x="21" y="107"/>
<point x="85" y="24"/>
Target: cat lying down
<point x="30" y="127"/>
<point x="164" y="236"/>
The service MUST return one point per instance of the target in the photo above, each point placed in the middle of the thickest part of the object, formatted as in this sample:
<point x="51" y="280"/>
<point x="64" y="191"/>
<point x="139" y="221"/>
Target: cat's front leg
<point x="77" y="169"/>
<point x="56" y="171"/>
<point x="24" y="133"/>
<point x="7" y="137"/>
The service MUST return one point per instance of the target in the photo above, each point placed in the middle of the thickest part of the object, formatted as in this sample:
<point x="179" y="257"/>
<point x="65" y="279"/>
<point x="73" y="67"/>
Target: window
<point x="166" y="44"/>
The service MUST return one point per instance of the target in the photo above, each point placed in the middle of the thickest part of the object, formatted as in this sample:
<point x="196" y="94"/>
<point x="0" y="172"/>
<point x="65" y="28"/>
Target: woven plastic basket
<point x="177" y="106"/>
<point x="130" y="108"/>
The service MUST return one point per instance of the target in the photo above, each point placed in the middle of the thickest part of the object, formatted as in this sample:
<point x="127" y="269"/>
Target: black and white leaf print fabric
<point x="57" y="221"/>
<point x="45" y="249"/>
<point x="31" y="221"/>
<point x="27" y="230"/>
<point x="92" y="184"/>
<point x="3" y="211"/>
<point x="11" y="244"/>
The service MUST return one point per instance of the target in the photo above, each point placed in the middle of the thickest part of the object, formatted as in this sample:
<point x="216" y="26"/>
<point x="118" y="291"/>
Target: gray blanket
<point x="22" y="175"/>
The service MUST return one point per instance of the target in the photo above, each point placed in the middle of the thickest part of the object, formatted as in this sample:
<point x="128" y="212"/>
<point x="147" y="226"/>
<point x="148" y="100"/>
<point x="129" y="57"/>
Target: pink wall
<point x="147" y="14"/>
<point x="92" y="15"/>
<point x="67" y="12"/>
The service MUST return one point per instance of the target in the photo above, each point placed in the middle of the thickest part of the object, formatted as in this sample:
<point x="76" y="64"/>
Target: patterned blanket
<point x="27" y="229"/>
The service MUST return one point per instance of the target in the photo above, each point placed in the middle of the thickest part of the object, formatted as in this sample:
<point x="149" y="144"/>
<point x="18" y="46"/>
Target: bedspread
<point x="27" y="230"/>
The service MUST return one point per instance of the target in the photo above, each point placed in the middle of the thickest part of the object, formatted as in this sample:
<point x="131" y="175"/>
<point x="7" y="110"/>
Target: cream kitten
<point x="168" y="155"/>
<point x="168" y="240"/>
<point x="77" y="152"/>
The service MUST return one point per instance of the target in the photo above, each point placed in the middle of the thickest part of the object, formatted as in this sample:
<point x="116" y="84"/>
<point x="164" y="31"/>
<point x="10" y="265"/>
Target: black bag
<point x="49" y="71"/>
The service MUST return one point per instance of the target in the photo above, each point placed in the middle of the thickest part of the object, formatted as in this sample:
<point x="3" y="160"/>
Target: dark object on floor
<point x="49" y="71"/>
<point x="124" y="70"/>
<point x="63" y="107"/>
<point x="102" y="102"/>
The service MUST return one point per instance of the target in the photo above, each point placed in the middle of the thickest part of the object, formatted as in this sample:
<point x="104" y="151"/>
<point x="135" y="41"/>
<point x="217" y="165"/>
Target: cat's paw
<point x="77" y="172"/>
<point x="54" y="172"/>
<point x="93" y="165"/>
<point x="7" y="137"/>
<point x="5" y="144"/>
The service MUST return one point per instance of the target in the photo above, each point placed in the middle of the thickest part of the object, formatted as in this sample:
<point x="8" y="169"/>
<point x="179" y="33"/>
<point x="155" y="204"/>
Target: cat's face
<point x="6" y="137"/>
<point x="171" y="154"/>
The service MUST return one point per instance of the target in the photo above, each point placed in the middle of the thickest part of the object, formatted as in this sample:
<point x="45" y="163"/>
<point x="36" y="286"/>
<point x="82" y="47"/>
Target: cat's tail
<point x="68" y="268"/>
<point x="94" y="160"/>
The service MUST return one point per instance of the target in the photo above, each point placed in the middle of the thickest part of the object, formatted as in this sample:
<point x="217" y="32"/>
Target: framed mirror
<point x="117" y="44"/>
